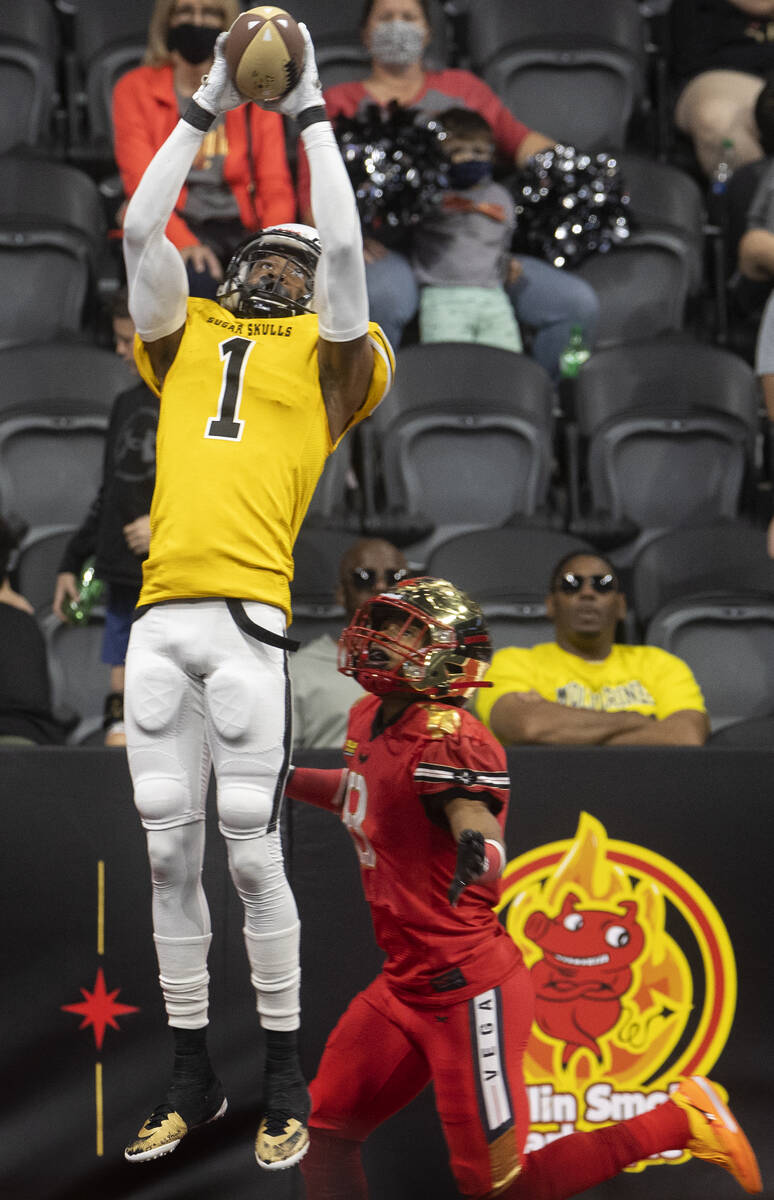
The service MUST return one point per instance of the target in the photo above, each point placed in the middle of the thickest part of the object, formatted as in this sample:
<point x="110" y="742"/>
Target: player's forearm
<point x="521" y="722"/>
<point x="314" y="785"/>
<point x="341" y="296"/>
<point x="156" y="276"/>
<point x="465" y="813"/>
<point x="686" y="728"/>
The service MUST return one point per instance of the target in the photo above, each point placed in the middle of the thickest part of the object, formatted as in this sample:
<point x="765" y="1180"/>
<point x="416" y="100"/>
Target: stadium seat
<point x="317" y="555"/>
<point x="728" y="642"/>
<point x="336" y="497"/>
<point x="642" y="292"/>
<point x="508" y="572"/>
<point x="667" y="209"/>
<point x="38" y="561"/>
<point x="663" y="436"/>
<point x="55" y="403"/>
<point x="79" y="680"/>
<point x="109" y="38"/>
<point x="29" y="47"/>
<point x="572" y="71"/>
<point x="722" y="556"/>
<point x="463" y="440"/>
<point x="339" y="50"/>
<point x="52" y="237"/>
<point x="503" y="565"/>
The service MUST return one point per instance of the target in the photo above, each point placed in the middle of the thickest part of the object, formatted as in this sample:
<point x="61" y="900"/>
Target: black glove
<point x="471" y="863"/>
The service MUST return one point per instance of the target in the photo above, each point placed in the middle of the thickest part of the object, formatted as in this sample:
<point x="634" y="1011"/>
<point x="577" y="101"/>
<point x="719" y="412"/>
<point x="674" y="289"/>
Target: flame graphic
<point x="656" y="1005"/>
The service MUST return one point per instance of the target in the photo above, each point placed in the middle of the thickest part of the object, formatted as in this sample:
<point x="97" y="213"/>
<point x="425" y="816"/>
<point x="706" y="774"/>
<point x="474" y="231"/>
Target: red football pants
<point x="383" y="1052"/>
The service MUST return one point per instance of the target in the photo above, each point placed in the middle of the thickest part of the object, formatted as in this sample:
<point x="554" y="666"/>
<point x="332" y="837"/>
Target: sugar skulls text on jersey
<point x="253" y="328"/>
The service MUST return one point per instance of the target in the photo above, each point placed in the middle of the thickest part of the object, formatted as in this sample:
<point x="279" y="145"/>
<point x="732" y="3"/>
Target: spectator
<point x="722" y="49"/>
<point x="322" y="696"/>
<point x="582" y="689"/>
<point x="756" y="246"/>
<point x="117" y="526"/>
<point x="240" y="179"/>
<point x="545" y="299"/>
<point x="25" y="688"/>
<point x="461" y="253"/>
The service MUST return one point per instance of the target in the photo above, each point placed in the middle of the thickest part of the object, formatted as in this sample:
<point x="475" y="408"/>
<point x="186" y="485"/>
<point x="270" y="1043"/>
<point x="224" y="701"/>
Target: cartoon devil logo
<point x="584" y="971"/>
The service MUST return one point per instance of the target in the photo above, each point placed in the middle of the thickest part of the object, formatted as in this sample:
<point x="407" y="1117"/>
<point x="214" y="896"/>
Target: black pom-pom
<point x="396" y="166"/>
<point x="570" y="205"/>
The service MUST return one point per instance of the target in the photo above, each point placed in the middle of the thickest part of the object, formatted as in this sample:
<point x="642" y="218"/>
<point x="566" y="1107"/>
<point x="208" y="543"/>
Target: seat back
<point x="38" y="563"/>
<point x="317" y="555"/>
<point x="109" y="39"/>
<point x="642" y="291"/>
<point x="504" y="566"/>
<point x="79" y="679"/>
<point x="52" y="231"/>
<point x="575" y="72"/>
<point x="29" y="46"/>
<point x="721" y="556"/>
<point x="667" y="209"/>
<point x="55" y="404"/>
<point x="464" y="439"/>
<point x="728" y="642"/>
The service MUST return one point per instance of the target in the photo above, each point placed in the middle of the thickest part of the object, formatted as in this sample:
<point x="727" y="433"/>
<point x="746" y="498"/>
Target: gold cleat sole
<point x="275" y="1153"/>
<point x="164" y="1138"/>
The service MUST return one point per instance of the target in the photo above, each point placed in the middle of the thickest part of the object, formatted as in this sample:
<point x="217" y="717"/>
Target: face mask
<point x="397" y="43"/>
<point x="469" y="172"/>
<point x="194" y="43"/>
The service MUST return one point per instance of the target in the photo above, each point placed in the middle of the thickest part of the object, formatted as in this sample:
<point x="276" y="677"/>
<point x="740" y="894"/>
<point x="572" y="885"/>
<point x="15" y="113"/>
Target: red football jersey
<point x="397" y="782"/>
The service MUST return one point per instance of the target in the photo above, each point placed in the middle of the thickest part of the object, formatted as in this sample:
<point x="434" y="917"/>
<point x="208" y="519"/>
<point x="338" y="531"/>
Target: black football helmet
<point x="438" y="644"/>
<point x="271" y="273"/>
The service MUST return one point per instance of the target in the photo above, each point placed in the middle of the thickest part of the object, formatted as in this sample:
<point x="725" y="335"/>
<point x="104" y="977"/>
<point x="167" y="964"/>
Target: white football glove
<point x="308" y="91"/>
<point x="217" y="93"/>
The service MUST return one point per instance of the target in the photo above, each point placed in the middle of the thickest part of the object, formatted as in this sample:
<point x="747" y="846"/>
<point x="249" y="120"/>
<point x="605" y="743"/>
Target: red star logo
<point x="99" y="1008"/>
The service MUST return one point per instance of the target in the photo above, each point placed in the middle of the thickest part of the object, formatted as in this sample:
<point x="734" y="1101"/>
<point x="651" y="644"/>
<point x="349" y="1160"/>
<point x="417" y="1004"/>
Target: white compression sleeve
<point x="341" y="298"/>
<point x="155" y="272"/>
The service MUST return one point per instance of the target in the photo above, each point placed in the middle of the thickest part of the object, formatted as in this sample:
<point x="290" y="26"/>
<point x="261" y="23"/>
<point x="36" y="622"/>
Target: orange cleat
<point x="715" y="1135"/>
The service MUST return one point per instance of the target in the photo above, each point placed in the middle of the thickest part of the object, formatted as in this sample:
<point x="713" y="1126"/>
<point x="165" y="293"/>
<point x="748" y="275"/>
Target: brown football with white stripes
<point x="265" y="53"/>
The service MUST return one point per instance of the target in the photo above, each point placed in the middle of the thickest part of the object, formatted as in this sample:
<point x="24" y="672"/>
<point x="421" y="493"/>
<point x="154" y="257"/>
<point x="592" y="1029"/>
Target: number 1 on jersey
<point x="226" y="426"/>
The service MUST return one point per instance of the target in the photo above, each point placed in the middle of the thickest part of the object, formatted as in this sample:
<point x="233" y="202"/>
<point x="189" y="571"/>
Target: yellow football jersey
<point x="242" y="440"/>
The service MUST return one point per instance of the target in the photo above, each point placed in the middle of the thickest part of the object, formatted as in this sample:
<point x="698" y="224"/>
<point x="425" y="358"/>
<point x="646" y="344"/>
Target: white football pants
<point x="200" y="691"/>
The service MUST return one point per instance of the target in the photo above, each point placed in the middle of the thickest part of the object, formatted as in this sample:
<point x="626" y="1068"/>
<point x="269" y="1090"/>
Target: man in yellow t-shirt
<point x="256" y="390"/>
<point x="584" y="689"/>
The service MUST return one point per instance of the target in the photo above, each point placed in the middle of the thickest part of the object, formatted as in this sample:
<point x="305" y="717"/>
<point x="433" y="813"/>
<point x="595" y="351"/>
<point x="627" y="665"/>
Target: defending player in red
<point x="425" y="796"/>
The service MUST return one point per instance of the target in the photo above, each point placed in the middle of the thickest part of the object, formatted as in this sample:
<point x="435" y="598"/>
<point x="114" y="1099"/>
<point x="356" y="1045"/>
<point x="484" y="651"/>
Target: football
<point x="265" y="53"/>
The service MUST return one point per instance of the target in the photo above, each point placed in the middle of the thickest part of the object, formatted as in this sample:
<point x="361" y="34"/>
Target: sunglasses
<point x="572" y="583"/>
<point x="365" y="577"/>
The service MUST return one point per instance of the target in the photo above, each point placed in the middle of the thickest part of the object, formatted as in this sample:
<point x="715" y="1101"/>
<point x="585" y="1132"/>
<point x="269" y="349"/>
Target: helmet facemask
<point x="436" y="644"/>
<point x="272" y="274"/>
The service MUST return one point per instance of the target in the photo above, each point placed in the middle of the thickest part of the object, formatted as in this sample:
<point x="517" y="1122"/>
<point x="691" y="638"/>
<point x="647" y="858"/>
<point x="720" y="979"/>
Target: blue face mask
<point x="465" y="174"/>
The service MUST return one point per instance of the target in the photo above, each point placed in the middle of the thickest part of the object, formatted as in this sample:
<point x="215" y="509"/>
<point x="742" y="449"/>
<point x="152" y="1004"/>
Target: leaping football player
<point x="425" y="796"/>
<point x="257" y="389"/>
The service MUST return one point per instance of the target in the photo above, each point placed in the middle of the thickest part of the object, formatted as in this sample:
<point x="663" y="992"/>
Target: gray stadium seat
<point x="55" y="403"/>
<point x="463" y="440"/>
<point x="79" y="680"/>
<point x="109" y="39"/>
<point x="722" y="556"/>
<point x="29" y="46"/>
<point x="642" y="291"/>
<point x="667" y="209"/>
<point x="728" y="642"/>
<point x="665" y="436"/>
<point x="572" y="71"/>
<point x="507" y="571"/>
<point x="52" y="239"/>
<point x="38" y="563"/>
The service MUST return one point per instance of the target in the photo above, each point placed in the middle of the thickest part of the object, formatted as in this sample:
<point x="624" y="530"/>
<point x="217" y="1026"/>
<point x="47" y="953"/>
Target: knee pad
<point x="162" y="801"/>
<point x="245" y="808"/>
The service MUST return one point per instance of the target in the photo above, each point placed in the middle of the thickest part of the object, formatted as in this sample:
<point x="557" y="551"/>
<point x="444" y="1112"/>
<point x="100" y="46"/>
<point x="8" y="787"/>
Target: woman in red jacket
<point x="240" y="181"/>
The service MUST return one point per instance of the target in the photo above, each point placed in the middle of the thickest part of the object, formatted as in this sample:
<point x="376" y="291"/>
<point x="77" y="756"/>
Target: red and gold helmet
<point x="424" y="635"/>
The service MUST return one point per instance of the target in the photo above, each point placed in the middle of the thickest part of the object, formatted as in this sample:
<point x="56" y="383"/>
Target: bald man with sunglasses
<point x="584" y="689"/>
